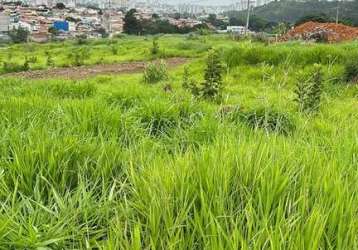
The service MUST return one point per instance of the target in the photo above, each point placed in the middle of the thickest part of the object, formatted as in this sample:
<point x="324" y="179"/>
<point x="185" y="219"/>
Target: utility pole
<point x="337" y="13"/>
<point x="248" y="17"/>
<point x="109" y="17"/>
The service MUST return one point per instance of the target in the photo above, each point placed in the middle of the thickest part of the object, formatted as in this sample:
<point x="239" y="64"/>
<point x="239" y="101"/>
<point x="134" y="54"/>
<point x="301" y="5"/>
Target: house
<point x="4" y="22"/>
<point x="236" y="29"/>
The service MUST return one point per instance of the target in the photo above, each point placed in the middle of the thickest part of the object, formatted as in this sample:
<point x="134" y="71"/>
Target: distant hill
<point x="291" y="11"/>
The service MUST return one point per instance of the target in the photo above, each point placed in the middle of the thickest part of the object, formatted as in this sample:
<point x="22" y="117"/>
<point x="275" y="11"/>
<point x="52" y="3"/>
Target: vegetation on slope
<point x="266" y="16"/>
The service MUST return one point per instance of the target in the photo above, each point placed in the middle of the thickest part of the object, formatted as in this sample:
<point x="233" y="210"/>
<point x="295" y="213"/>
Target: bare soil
<point x="329" y="32"/>
<point x="83" y="72"/>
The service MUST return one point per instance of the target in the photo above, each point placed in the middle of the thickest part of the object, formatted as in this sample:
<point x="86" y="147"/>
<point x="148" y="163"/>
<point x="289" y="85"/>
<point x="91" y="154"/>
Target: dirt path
<point x="83" y="72"/>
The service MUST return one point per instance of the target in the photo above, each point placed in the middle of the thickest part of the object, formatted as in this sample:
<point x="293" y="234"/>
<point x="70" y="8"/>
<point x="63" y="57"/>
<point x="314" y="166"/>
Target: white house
<point x="236" y="29"/>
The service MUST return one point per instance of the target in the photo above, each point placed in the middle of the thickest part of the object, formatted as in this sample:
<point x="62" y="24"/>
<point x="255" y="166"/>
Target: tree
<point x="60" y="6"/>
<point x="321" y="18"/>
<point x="211" y="88"/>
<point x="131" y="24"/>
<point x="102" y="31"/>
<point x="234" y="21"/>
<point x="19" y="35"/>
<point x="212" y="19"/>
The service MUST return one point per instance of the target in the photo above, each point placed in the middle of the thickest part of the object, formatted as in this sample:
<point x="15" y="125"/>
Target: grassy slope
<point x="83" y="165"/>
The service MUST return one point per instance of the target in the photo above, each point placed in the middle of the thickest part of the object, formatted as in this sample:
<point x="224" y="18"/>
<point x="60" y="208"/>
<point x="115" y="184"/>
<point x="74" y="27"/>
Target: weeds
<point x="351" y="71"/>
<point x="72" y="90"/>
<point x="155" y="47"/>
<point x="188" y="83"/>
<point x="155" y="72"/>
<point x="309" y="90"/>
<point x="78" y="56"/>
<point x="49" y="59"/>
<point x="267" y="119"/>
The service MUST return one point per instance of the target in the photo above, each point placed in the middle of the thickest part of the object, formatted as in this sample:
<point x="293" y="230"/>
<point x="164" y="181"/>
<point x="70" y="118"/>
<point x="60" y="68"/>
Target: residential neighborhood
<point x="45" y="20"/>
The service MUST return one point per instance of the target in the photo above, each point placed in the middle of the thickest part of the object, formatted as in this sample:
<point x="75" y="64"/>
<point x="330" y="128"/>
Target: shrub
<point x="114" y="49"/>
<point x="309" y="90"/>
<point x="19" y="35"/>
<point x="155" y="47"/>
<point x="155" y="72"/>
<point x="211" y="88"/>
<point x="78" y="56"/>
<point x="351" y="71"/>
<point x="188" y="83"/>
<point x="49" y="59"/>
<point x="82" y="39"/>
<point x="11" y="67"/>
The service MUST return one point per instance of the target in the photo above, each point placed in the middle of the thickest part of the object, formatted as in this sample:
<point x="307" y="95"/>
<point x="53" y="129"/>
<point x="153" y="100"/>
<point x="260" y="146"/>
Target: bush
<point x="49" y="59"/>
<point x="155" y="47"/>
<point x="81" y="40"/>
<point x="309" y="90"/>
<point x="211" y="88"/>
<point x="10" y="67"/>
<point x="188" y="83"/>
<point x="78" y="56"/>
<point x="114" y="49"/>
<point x="351" y="71"/>
<point x="155" y="72"/>
<point x="19" y="35"/>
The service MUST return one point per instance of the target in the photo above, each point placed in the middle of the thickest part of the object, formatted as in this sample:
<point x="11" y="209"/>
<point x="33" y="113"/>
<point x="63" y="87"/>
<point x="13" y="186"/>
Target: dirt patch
<point x="323" y="32"/>
<point x="83" y="72"/>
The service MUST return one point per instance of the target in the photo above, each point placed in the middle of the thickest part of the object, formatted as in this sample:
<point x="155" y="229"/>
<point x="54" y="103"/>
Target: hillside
<point x="287" y="11"/>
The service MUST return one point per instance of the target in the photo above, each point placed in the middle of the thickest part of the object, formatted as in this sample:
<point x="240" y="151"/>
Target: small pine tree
<point x="211" y="88"/>
<point x="308" y="92"/>
<point x="114" y="49"/>
<point x="155" y="47"/>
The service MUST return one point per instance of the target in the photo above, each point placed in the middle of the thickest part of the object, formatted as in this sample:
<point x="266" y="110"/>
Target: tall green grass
<point x="120" y="164"/>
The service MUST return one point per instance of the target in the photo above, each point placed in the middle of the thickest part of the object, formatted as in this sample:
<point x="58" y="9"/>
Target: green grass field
<point x="111" y="162"/>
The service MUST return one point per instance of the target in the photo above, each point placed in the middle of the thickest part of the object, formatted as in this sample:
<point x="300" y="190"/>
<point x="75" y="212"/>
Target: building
<point x="236" y="29"/>
<point x="113" y="21"/>
<point x="4" y="22"/>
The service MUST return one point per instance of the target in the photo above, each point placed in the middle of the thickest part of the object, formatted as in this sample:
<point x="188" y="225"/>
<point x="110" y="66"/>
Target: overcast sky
<point x="211" y="2"/>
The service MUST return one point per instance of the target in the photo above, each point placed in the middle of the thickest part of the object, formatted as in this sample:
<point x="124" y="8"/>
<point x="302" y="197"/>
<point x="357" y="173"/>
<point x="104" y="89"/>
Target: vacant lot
<point x="138" y="162"/>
